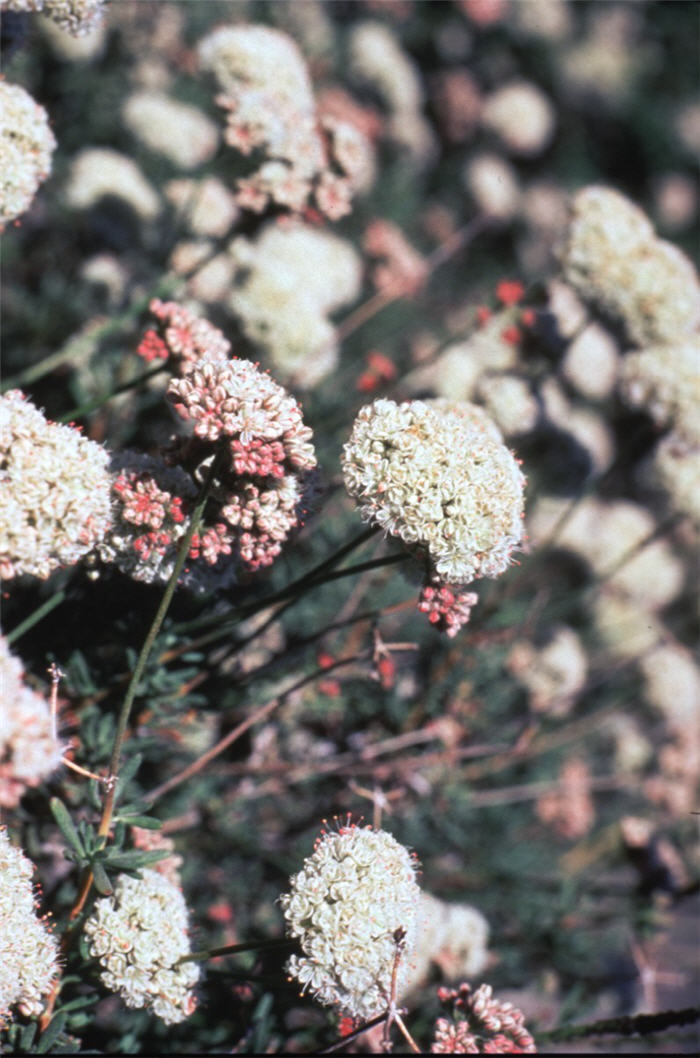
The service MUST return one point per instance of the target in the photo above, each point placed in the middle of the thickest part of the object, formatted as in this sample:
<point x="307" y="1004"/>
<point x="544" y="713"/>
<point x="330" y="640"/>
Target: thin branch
<point x="625" y="1025"/>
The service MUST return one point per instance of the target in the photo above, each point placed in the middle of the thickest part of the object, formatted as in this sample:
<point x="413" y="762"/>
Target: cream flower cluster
<point x="453" y="937"/>
<point x="26" y="146"/>
<point x="29" y="748"/>
<point x="554" y="673"/>
<point x="665" y="379"/>
<point x="54" y="491"/>
<point x="290" y="279"/>
<point x="28" y="950"/>
<point x="521" y="115"/>
<point x="437" y="476"/>
<point x="612" y="257"/>
<point x="268" y="97"/>
<point x="97" y="172"/>
<point x="138" y="934"/>
<point x="354" y="901"/>
<point x="180" y="132"/>
<point x="75" y="16"/>
<point x="676" y="467"/>
<point x="182" y="336"/>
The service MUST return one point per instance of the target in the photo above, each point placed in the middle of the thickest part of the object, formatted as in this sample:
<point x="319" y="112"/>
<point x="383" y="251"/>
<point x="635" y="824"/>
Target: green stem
<point x="46" y="607"/>
<point x="84" y="409"/>
<point x="149" y="642"/>
<point x="233" y="949"/>
<point x="626" y="1025"/>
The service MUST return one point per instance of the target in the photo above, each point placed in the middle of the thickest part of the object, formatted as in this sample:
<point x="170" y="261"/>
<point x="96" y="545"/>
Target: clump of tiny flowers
<point x="26" y="147"/>
<point x="665" y="379"/>
<point x="438" y="477"/>
<point x="614" y="260"/>
<point x="270" y="110"/>
<point x="676" y="467"/>
<point x="54" y="491"/>
<point x="181" y="335"/>
<point x="270" y="453"/>
<point x="139" y="934"/>
<point x="448" y="608"/>
<point x="401" y="270"/>
<point x="77" y="17"/>
<point x="353" y="907"/>
<point x="29" y="747"/>
<point x="28" y="950"/>
<point x="480" y="1024"/>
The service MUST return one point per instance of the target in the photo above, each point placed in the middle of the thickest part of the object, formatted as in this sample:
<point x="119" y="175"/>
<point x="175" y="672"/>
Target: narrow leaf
<point x="67" y="827"/>
<point x="53" y="1031"/>
<point x="135" y="858"/>
<point x="147" y="822"/>
<point x="102" y="882"/>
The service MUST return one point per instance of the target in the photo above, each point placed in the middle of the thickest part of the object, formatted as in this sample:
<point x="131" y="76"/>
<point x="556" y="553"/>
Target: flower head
<point x="480" y="1024"/>
<point x="26" y="146"/>
<point x="139" y="934"/>
<point x="28" y="950"/>
<point x="437" y="476"/>
<point x="353" y="906"/>
<point x="77" y="17"/>
<point x="54" y="491"/>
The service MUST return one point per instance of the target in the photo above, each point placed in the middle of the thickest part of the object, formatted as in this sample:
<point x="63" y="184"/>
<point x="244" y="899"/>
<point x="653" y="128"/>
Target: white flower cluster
<point x="493" y="184"/>
<point x="99" y="171"/>
<point x="207" y="206"/>
<point x="28" y="950"/>
<point x="612" y="257"/>
<point x="522" y="117"/>
<point x="377" y="60"/>
<point x="267" y="92"/>
<point x="138" y="934"/>
<point x="290" y="280"/>
<point x="54" y="491"/>
<point x="452" y="936"/>
<point x="354" y="898"/>
<point x="75" y="16"/>
<point x="553" y="674"/>
<point x="29" y="748"/>
<point x="26" y="146"/>
<point x="510" y="403"/>
<point x="438" y="476"/>
<point x="592" y="362"/>
<point x="603" y="534"/>
<point x="180" y="132"/>
<point x="676" y="467"/>
<point x="665" y="379"/>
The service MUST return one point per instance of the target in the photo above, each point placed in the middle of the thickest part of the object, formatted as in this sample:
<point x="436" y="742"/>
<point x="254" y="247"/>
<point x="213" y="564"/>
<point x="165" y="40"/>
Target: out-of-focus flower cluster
<point x="267" y="94"/>
<point x="77" y="17"/>
<point x="54" y="491"/>
<point x="453" y="937"/>
<point x="480" y="1024"/>
<point x="28" y="950"/>
<point x="98" y="172"/>
<point x="26" y="147"/>
<point x="353" y="907"/>
<point x="139" y="934"/>
<point x="29" y="748"/>
<point x="179" y="131"/>
<point x="438" y="476"/>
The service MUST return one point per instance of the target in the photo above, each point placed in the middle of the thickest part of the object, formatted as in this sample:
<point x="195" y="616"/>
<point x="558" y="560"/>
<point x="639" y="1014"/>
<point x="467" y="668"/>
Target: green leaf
<point x="147" y="822"/>
<point x="134" y="859"/>
<point x="53" y="1031"/>
<point x="27" y="1038"/>
<point x="101" y="879"/>
<point x="127" y="773"/>
<point x="66" y="825"/>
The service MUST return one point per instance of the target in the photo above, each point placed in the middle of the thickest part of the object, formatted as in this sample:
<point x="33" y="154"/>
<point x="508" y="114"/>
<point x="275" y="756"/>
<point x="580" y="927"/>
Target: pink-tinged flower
<point x="480" y="1024"/>
<point x="182" y="335"/>
<point x="448" y="608"/>
<point x="510" y="291"/>
<point x="401" y="271"/>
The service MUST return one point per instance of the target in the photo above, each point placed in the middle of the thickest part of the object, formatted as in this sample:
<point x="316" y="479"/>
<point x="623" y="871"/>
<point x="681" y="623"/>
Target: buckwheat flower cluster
<point x="352" y="906"/>
<point x="289" y="280"/>
<point x="453" y="937"/>
<point x="438" y="478"/>
<point x="665" y="379"/>
<point x="75" y="16"/>
<point x="269" y="102"/>
<point x="29" y="748"/>
<point x="493" y="184"/>
<point x="207" y="206"/>
<point x="54" y="491"/>
<point x="26" y="146"/>
<point x="553" y="673"/>
<point x="612" y="257"/>
<point x="480" y="1024"/>
<point x="401" y="270"/>
<point x="447" y="607"/>
<point x="182" y="336"/>
<point x="270" y="453"/>
<point x="138" y="934"/>
<point x="676" y="467"/>
<point x="522" y="117"/>
<point x="28" y="950"/>
<point x="510" y="403"/>
<point x="180" y="132"/>
<point x="97" y="172"/>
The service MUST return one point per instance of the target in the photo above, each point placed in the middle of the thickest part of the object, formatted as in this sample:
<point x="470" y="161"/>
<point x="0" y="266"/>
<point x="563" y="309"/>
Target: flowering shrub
<point x="463" y="233"/>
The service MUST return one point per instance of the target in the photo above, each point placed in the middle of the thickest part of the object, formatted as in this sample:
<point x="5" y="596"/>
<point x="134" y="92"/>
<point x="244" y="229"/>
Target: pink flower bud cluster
<point x="448" y="608"/>
<point x="181" y="335"/>
<point x="480" y="1025"/>
<point x="401" y="270"/>
<point x="308" y="161"/>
